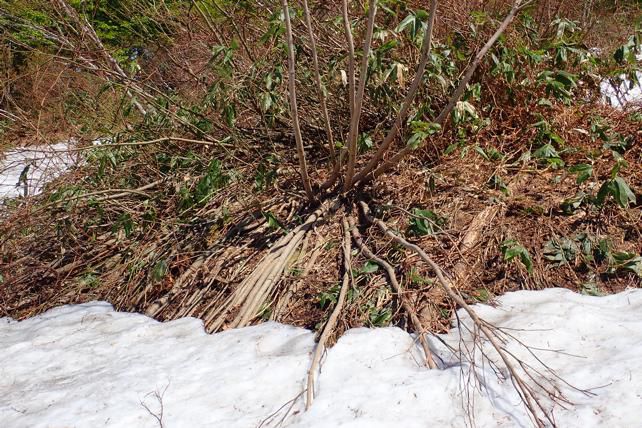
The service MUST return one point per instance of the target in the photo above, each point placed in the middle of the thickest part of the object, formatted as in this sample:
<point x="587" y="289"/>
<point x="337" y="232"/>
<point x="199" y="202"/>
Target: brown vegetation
<point x="244" y="175"/>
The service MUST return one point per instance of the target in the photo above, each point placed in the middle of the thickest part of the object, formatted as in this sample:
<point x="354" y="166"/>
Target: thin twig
<point x="130" y="144"/>
<point x="531" y="402"/>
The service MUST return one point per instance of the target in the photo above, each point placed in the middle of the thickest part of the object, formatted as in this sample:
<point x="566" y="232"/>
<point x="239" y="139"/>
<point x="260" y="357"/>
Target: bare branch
<point x="473" y="66"/>
<point x="88" y="31"/>
<point x="303" y="168"/>
<point x="530" y="400"/>
<point x="392" y="277"/>
<point x="356" y="113"/>
<point x="468" y="74"/>
<point x="322" y="100"/>
<point x="410" y="96"/>
<point x="348" y="33"/>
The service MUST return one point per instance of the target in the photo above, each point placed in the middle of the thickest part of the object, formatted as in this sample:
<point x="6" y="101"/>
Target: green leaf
<point x="410" y="19"/>
<point x="571" y="204"/>
<point x="544" y="102"/>
<point x="583" y="171"/>
<point x="380" y="317"/>
<point x="481" y="152"/>
<point x="548" y="153"/>
<point x="603" y="192"/>
<point x="591" y="289"/>
<point x="619" y="189"/>
<point x="634" y="265"/>
<point x="482" y="295"/>
<point x="159" y="270"/>
<point x="416" y="140"/>
<point x="496" y="182"/>
<point x="326" y="298"/>
<point x="425" y="222"/>
<point x="622" y="193"/>
<point x="266" y="101"/>
<point x="622" y="260"/>
<point x="369" y="267"/>
<point x="365" y="143"/>
<point x="512" y="249"/>
<point x="561" y="251"/>
<point x="420" y="131"/>
<point x="272" y="221"/>
<point x="566" y="78"/>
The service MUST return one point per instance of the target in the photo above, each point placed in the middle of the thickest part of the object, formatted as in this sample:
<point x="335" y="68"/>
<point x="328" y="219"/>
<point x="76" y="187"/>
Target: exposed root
<point x="527" y="393"/>
<point x="418" y="326"/>
<point x="329" y="326"/>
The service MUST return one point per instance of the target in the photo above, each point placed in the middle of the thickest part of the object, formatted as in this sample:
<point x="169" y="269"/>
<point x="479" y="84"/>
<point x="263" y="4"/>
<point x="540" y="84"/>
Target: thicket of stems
<point x="378" y="164"/>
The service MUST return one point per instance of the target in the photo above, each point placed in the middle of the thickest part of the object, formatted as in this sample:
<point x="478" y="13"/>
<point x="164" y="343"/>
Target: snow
<point x="87" y="365"/>
<point x="46" y="163"/>
<point x="622" y="92"/>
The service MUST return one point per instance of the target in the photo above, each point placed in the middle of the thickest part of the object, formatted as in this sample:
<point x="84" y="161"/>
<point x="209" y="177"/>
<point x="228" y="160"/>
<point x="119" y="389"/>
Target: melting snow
<point x="621" y="92"/>
<point x="87" y="366"/>
<point x="28" y="169"/>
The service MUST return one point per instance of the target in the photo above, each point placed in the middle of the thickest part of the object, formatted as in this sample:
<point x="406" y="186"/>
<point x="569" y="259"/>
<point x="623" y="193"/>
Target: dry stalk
<point x="160" y="304"/>
<point x="285" y="299"/>
<point x="334" y="316"/>
<point x="117" y="194"/>
<point x="259" y="284"/>
<point x="269" y="278"/>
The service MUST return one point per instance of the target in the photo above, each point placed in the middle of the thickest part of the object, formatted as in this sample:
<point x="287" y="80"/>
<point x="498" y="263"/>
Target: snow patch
<point x="622" y="92"/>
<point x="26" y="170"/>
<point x="87" y="365"/>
